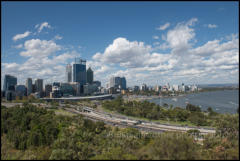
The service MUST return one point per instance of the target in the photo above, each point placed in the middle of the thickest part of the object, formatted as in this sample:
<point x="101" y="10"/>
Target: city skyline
<point x="154" y="47"/>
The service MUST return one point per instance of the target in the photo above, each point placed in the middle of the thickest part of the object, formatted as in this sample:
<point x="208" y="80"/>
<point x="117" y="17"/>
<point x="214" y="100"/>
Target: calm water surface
<point x="226" y="101"/>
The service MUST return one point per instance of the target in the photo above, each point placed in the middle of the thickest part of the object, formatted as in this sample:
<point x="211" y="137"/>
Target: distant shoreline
<point x="145" y="97"/>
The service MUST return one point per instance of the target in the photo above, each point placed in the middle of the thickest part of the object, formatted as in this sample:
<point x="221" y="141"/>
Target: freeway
<point x="146" y="126"/>
<point x="123" y="121"/>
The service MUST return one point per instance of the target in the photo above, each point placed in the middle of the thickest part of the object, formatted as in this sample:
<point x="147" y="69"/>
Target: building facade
<point x="79" y="71"/>
<point x="29" y="86"/>
<point x="89" y="76"/>
<point x="9" y="81"/>
<point x="90" y="89"/>
<point x="98" y="83"/>
<point x="123" y="83"/>
<point x="118" y="82"/>
<point x="48" y="89"/>
<point x="68" y="73"/>
<point x="143" y="87"/>
<point x="67" y="89"/>
<point x="39" y="85"/>
<point x="21" y="90"/>
<point x="76" y="87"/>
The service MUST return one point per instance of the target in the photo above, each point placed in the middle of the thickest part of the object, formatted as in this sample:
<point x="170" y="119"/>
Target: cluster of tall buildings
<point x="77" y="74"/>
<point x="11" y="89"/>
<point x="116" y="84"/>
<point x="79" y="82"/>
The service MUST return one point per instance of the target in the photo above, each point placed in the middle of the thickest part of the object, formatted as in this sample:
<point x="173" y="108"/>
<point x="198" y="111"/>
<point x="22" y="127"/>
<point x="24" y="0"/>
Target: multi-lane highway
<point x="141" y="125"/>
<point x="122" y="121"/>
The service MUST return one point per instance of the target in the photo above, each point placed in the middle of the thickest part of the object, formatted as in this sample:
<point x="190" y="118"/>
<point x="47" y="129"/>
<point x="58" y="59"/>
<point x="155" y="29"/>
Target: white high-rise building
<point x="68" y="73"/>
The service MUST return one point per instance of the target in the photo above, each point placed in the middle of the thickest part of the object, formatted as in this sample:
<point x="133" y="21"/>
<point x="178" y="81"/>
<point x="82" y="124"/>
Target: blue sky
<point x="151" y="42"/>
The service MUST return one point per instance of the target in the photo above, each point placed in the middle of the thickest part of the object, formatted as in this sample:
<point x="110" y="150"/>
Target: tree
<point x="193" y="108"/>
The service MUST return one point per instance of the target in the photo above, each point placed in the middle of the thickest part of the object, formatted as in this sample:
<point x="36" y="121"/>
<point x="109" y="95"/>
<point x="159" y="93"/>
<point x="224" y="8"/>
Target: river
<point x="225" y="101"/>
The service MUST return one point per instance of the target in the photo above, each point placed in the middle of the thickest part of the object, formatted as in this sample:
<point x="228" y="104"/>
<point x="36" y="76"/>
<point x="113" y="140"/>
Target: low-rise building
<point x="90" y="89"/>
<point x="67" y="89"/>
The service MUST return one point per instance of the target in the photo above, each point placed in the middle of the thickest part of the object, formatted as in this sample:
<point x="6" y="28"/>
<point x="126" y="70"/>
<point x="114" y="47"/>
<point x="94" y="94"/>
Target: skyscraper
<point x="9" y="81"/>
<point x="79" y="71"/>
<point x="69" y="73"/>
<point x="29" y="86"/>
<point x="89" y="76"/>
<point x="123" y="83"/>
<point x="39" y="85"/>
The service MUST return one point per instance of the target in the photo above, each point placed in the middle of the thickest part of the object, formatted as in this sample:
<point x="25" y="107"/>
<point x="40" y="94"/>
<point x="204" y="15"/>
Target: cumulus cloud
<point x="47" y="68"/>
<point x="207" y="63"/>
<point x="124" y="52"/>
<point x="215" y="61"/>
<point x="163" y="27"/>
<point x="39" y="48"/>
<point x="21" y="36"/>
<point x="179" y="37"/>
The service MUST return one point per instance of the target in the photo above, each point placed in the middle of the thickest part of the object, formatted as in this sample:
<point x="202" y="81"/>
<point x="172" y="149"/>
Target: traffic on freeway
<point x="124" y="121"/>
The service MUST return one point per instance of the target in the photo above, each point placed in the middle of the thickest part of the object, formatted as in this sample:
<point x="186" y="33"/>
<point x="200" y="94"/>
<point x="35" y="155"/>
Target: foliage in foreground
<point x="50" y="136"/>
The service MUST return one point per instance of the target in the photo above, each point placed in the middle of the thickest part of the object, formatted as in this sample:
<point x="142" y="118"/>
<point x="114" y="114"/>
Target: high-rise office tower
<point x="39" y="85"/>
<point x="69" y="73"/>
<point x="89" y="76"/>
<point x="29" y="86"/>
<point x="123" y="83"/>
<point x="79" y="71"/>
<point x="9" y="82"/>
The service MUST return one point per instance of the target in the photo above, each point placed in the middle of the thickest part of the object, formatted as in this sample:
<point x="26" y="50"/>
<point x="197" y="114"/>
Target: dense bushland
<point x="31" y="132"/>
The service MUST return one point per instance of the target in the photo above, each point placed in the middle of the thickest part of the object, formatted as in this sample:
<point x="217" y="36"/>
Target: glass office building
<point x="9" y="82"/>
<point x="79" y="71"/>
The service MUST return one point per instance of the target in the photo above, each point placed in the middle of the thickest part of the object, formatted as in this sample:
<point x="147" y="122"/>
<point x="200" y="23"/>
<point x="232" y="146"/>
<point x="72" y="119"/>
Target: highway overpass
<point x="99" y="97"/>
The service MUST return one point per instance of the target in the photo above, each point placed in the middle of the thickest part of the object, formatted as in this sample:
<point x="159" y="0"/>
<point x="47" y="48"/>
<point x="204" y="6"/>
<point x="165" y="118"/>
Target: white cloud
<point x="217" y="58"/>
<point x="215" y="61"/>
<point x="179" y="37"/>
<point x="156" y="43"/>
<point x="49" y="69"/>
<point x="39" y="48"/>
<point x="155" y="37"/>
<point x="124" y="52"/>
<point x="42" y="26"/>
<point x="58" y="37"/>
<point x="212" y="26"/>
<point x="21" y="36"/>
<point x="18" y="46"/>
<point x="163" y="27"/>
